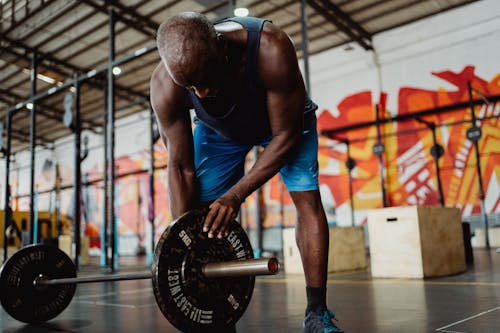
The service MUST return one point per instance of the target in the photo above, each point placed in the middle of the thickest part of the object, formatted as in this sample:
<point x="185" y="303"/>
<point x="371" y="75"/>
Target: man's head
<point x="191" y="50"/>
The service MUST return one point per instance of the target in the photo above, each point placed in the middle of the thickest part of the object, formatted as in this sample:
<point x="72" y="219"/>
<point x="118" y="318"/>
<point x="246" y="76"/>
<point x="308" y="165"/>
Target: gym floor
<point x="463" y="303"/>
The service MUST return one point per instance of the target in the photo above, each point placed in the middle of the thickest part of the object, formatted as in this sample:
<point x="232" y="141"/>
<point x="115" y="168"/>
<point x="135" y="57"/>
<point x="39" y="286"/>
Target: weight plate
<point x="189" y="300"/>
<point x="18" y="294"/>
<point x="474" y="133"/>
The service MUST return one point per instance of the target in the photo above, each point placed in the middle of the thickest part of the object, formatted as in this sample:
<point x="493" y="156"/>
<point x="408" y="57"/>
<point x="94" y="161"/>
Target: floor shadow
<point x="52" y="327"/>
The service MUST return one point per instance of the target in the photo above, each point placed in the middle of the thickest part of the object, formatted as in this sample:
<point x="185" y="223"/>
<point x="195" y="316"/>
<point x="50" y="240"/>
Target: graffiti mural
<point x="410" y="175"/>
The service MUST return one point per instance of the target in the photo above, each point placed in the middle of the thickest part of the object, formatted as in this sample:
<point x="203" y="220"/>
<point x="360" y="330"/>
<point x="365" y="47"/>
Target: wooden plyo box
<point x="416" y="242"/>
<point x="346" y="252"/>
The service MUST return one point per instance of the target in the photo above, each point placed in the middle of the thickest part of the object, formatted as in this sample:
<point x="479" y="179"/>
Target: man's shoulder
<point x="159" y="73"/>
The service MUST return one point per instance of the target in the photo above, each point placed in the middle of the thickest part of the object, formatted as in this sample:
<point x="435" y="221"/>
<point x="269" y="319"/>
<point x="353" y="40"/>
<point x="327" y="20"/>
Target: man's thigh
<point x="219" y="162"/>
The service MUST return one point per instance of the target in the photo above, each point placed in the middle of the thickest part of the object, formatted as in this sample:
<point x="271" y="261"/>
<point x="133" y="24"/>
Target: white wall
<point x="407" y="55"/>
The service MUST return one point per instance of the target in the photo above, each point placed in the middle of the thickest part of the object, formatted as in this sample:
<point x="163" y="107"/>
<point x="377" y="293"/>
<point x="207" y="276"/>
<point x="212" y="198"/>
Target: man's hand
<point x="221" y="213"/>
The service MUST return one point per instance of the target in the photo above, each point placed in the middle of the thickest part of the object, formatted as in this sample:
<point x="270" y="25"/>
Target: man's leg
<point x="312" y="240"/>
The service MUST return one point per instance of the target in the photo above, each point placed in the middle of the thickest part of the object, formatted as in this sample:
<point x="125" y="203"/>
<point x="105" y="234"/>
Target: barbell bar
<point x="247" y="267"/>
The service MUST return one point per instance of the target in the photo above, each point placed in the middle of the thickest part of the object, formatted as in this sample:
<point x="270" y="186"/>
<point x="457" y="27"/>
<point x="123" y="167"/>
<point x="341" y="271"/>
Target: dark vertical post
<point x="350" y="165"/>
<point x="305" y="46"/>
<point x="151" y="208"/>
<point x="379" y="149"/>
<point x="436" y="153"/>
<point x="111" y="138"/>
<point x="7" y="208"/>
<point x="105" y="223"/>
<point x="436" y="165"/>
<point x="258" y="215"/>
<point x="34" y="66"/>
<point x="231" y="5"/>
<point x="484" y="217"/>
<point x="78" y="172"/>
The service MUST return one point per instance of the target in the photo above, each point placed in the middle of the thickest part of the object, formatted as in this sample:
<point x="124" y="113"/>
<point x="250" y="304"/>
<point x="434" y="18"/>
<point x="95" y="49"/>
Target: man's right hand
<point x="221" y="214"/>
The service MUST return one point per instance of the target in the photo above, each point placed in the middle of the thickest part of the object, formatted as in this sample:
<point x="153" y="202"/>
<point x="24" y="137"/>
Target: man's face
<point x="203" y="76"/>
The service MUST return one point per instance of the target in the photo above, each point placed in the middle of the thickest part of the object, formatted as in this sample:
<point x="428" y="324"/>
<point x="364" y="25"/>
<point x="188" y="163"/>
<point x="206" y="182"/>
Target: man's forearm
<point x="267" y="165"/>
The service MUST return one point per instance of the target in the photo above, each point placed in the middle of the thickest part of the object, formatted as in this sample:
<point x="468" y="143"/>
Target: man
<point x="242" y="78"/>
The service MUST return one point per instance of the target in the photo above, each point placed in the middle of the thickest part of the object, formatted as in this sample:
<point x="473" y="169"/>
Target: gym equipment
<point x="200" y="284"/>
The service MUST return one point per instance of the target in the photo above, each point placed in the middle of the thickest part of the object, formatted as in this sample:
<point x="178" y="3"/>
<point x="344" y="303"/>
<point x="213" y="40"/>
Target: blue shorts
<point x="220" y="162"/>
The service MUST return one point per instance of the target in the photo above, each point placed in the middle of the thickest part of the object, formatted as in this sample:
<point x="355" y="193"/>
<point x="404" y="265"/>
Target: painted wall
<point x="423" y="65"/>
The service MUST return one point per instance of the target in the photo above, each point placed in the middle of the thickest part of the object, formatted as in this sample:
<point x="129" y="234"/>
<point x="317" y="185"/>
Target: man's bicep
<point x="286" y="110"/>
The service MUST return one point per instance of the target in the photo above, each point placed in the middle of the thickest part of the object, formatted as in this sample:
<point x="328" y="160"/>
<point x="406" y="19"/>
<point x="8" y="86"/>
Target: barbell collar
<point x="246" y="267"/>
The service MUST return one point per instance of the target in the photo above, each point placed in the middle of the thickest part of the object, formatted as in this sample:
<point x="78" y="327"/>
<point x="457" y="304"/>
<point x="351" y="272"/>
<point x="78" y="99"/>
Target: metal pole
<point x="151" y="174"/>
<point x="231" y="5"/>
<point x="78" y="174"/>
<point x="484" y="217"/>
<point x="436" y="165"/>
<point x="305" y="46"/>
<point x="111" y="138"/>
<point x="436" y="155"/>
<point x="34" y="66"/>
<point x="90" y="279"/>
<point x="258" y="215"/>
<point x="247" y="267"/>
<point x="7" y="208"/>
<point x="105" y="223"/>
<point x="380" y="154"/>
<point x="233" y="268"/>
<point x="350" y="166"/>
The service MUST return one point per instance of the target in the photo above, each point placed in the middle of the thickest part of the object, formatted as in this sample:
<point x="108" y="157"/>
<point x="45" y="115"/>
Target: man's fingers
<point x="218" y="220"/>
<point x="227" y="221"/>
<point x="209" y="219"/>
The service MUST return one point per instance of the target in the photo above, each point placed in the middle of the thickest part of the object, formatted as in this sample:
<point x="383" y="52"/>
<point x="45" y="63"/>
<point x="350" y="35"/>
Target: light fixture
<point x="39" y="76"/>
<point x="117" y="70"/>
<point x="29" y="106"/>
<point x="241" y="11"/>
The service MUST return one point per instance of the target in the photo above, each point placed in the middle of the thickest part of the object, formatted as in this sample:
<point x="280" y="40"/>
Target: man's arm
<point x="169" y="103"/>
<point x="286" y="98"/>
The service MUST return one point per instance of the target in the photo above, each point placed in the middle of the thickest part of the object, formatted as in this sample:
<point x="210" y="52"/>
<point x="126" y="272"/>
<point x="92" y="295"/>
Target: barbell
<point x="200" y="284"/>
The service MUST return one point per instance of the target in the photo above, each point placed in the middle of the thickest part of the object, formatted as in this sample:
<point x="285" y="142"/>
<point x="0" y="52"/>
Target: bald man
<point x="242" y="78"/>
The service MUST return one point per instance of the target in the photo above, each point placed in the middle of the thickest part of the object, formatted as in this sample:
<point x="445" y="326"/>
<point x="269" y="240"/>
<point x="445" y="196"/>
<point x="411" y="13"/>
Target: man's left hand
<point x="221" y="214"/>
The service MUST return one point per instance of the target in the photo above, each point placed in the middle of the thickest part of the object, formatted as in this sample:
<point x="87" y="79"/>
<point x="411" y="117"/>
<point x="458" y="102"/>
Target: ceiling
<point x="71" y="38"/>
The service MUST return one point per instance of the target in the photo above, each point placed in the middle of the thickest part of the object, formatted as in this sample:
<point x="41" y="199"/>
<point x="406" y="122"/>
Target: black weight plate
<point x="189" y="300"/>
<point x="474" y="133"/>
<point x="18" y="295"/>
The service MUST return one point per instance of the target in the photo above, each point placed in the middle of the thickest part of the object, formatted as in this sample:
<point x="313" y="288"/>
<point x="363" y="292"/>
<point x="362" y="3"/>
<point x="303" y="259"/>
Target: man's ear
<point x="221" y="40"/>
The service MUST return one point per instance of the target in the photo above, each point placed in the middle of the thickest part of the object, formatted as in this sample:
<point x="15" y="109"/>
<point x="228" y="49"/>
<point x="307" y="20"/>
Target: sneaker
<point x="320" y="322"/>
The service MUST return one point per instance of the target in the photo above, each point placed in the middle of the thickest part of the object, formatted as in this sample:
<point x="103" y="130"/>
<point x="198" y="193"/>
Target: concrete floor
<point x="466" y="303"/>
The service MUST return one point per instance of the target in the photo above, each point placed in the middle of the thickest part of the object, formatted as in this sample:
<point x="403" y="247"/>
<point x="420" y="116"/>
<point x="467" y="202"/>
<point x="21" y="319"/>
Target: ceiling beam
<point x="333" y="14"/>
<point x="137" y="21"/>
<point x="28" y="15"/>
<point x="98" y="83"/>
<point x="133" y="15"/>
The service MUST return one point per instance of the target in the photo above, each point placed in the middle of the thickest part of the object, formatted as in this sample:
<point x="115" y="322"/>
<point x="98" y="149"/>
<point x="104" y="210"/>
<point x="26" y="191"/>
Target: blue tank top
<point x="241" y="114"/>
